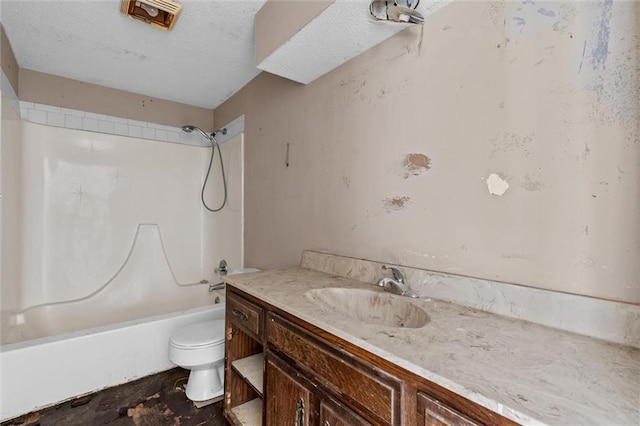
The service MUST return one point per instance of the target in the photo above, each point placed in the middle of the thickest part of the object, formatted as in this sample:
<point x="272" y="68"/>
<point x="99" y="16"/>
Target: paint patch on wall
<point x="395" y="203"/>
<point x="497" y="185"/>
<point x="532" y="184"/>
<point x="415" y="164"/>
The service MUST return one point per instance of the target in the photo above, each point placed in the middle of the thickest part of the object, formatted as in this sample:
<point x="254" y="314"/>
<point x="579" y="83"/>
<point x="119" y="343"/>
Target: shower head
<point x="190" y="129"/>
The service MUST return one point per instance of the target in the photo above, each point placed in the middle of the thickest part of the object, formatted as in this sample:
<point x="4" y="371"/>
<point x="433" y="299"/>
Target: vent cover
<point x="158" y="13"/>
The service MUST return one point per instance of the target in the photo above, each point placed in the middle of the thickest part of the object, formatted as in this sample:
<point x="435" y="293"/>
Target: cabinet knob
<point x="326" y="423"/>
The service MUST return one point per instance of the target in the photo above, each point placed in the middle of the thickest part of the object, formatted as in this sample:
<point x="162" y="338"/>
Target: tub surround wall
<point x="612" y="321"/>
<point x="67" y="118"/>
<point x="143" y="286"/>
<point x="10" y="199"/>
<point x="499" y="140"/>
<point x="78" y="226"/>
<point x="52" y="115"/>
<point x="78" y="194"/>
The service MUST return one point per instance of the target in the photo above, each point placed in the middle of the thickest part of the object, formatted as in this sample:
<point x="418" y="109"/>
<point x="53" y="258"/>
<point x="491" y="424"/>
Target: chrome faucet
<point x="397" y="284"/>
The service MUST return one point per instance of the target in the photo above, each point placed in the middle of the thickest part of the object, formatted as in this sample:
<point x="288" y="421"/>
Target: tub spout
<point x="214" y="287"/>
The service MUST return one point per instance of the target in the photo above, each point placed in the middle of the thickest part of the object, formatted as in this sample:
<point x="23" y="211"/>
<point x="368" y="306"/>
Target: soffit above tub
<point x="343" y="30"/>
<point x="202" y="61"/>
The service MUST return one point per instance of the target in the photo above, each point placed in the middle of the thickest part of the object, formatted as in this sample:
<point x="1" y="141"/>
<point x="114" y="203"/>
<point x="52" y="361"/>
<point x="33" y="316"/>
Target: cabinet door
<point x="367" y="389"/>
<point x="289" y="398"/>
<point x="334" y="414"/>
<point x="432" y="412"/>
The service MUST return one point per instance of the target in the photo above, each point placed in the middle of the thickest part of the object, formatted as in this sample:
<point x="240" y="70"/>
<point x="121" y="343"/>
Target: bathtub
<point x="47" y="370"/>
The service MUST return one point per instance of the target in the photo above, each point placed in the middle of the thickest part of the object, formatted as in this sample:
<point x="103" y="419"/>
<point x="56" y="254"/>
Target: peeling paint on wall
<point x="513" y="142"/>
<point x="566" y="14"/>
<point x="497" y="185"/>
<point x="609" y="65"/>
<point x="544" y="132"/>
<point x="546" y="12"/>
<point x="396" y="203"/>
<point x="415" y="164"/>
<point x="520" y="22"/>
<point x="600" y="52"/>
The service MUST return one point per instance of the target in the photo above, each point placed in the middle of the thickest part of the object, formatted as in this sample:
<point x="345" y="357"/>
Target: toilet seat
<point x="199" y="336"/>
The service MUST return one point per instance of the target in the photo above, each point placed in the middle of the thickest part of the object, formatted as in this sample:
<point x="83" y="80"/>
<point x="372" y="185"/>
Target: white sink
<point x="372" y="307"/>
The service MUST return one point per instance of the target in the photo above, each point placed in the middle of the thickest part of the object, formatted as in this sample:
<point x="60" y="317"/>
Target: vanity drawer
<point x="245" y="314"/>
<point x="432" y="412"/>
<point x="369" y="391"/>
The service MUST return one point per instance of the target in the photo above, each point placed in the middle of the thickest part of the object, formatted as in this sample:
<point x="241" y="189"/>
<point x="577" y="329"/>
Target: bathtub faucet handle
<point x="222" y="268"/>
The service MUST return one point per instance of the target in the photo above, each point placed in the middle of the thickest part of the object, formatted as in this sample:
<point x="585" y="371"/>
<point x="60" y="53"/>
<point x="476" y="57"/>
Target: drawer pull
<point x="326" y="423"/>
<point x="239" y="314"/>
<point x="300" y="413"/>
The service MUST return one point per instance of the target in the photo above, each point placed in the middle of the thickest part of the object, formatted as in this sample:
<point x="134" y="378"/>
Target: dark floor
<point x="157" y="400"/>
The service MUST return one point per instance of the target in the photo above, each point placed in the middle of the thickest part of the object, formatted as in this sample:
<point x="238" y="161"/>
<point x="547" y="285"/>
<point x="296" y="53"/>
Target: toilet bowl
<point x="199" y="347"/>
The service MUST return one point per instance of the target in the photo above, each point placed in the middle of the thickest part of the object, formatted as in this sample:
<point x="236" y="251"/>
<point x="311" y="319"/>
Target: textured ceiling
<point x="202" y="61"/>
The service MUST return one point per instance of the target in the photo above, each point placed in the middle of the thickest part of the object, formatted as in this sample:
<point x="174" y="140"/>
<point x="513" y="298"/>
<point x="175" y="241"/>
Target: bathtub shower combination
<point x="57" y="351"/>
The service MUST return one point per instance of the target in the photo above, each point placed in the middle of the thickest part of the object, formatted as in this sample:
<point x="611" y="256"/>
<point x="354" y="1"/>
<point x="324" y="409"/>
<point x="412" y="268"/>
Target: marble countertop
<point x="526" y="372"/>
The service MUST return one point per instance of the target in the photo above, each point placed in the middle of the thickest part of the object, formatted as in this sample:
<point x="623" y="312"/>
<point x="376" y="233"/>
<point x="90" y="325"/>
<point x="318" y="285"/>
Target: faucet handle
<point x="397" y="274"/>
<point x="222" y="268"/>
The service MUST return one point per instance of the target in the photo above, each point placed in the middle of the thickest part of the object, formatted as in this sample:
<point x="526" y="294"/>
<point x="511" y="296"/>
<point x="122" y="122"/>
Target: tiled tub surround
<point x="529" y="373"/>
<point x="83" y="120"/>
<point x="612" y="321"/>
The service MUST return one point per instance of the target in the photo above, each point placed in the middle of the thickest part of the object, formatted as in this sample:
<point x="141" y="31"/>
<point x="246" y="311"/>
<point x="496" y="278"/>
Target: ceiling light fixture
<point x="151" y="11"/>
<point x="402" y="11"/>
<point x="158" y="13"/>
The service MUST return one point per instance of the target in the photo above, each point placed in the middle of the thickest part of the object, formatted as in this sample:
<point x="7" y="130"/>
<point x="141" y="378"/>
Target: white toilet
<point x="199" y="347"/>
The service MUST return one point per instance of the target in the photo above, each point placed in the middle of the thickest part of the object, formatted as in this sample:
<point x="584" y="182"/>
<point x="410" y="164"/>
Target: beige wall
<point x="49" y="89"/>
<point x="8" y="60"/>
<point x="394" y="154"/>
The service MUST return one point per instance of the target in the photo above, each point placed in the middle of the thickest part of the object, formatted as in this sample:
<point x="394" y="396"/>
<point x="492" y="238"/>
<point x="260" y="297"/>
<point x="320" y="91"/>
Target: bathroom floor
<point x="157" y="400"/>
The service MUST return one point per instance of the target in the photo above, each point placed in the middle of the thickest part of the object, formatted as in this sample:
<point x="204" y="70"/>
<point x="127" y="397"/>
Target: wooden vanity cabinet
<point x="293" y="399"/>
<point x="244" y="361"/>
<point x="367" y="390"/>
<point x="432" y="412"/>
<point x="332" y="413"/>
<point x="290" y="399"/>
<point x="309" y="377"/>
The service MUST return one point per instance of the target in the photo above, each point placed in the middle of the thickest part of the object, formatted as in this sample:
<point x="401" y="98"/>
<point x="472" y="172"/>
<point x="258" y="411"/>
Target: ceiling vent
<point x="158" y="13"/>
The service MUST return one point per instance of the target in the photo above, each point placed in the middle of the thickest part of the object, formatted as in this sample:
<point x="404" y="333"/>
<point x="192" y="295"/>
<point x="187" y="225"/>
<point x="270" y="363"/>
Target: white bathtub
<point x="48" y="370"/>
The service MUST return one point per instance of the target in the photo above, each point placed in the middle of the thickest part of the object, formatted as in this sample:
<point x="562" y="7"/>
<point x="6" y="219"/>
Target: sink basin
<point x="372" y="307"/>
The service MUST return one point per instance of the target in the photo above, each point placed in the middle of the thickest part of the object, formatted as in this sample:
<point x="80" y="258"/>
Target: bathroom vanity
<point x="292" y="372"/>
<point x="291" y="360"/>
